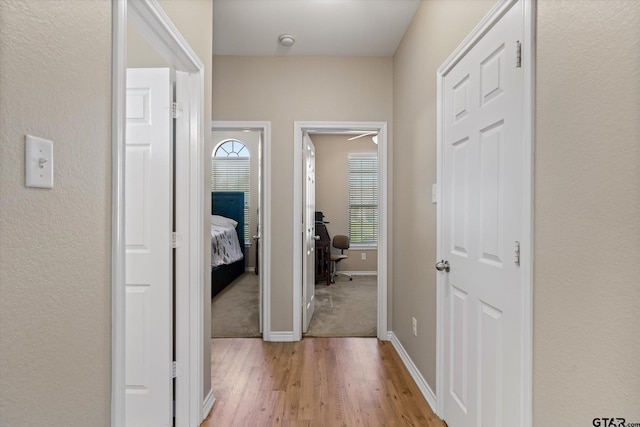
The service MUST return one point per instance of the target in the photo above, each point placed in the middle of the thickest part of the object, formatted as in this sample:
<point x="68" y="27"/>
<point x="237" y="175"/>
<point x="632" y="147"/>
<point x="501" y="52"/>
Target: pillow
<point x="223" y="221"/>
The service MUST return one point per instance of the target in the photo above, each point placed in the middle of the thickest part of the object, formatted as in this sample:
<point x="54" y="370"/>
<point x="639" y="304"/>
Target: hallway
<point x="313" y="382"/>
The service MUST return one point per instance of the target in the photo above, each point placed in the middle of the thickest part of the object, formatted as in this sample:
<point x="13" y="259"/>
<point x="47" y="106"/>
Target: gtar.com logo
<point x="609" y="422"/>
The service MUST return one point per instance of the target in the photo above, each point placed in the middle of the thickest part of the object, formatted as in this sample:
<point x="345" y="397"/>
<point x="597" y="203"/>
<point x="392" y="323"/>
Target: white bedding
<point x="225" y="247"/>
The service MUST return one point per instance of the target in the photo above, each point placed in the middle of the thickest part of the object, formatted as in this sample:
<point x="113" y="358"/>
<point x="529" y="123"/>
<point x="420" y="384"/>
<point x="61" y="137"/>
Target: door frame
<point x="152" y="22"/>
<point x="528" y="14"/>
<point x="337" y="127"/>
<point x="265" y="210"/>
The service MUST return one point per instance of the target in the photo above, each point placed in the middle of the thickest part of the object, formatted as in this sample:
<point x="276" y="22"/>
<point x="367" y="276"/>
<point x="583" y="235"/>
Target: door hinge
<point x="176" y="110"/>
<point x="518" y="54"/>
<point x="176" y="371"/>
<point x="176" y="240"/>
<point x="517" y="253"/>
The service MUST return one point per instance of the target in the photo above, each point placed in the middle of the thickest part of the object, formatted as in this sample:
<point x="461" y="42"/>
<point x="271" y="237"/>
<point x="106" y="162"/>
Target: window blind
<point x="363" y="200"/>
<point x="233" y="174"/>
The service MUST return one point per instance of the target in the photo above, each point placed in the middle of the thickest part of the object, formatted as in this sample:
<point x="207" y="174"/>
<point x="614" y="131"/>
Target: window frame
<point x="374" y="208"/>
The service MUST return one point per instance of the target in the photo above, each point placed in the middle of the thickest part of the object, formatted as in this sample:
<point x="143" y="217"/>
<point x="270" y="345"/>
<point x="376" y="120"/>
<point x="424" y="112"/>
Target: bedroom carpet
<point x="234" y="311"/>
<point x="345" y="308"/>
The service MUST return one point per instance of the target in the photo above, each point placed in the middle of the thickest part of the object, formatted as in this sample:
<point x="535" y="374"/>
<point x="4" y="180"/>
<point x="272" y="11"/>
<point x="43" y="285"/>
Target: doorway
<point x="300" y="129"/>
<point x="154" y="25"/>
<point x="346" y="253"/>
<point x="257" y="239"/>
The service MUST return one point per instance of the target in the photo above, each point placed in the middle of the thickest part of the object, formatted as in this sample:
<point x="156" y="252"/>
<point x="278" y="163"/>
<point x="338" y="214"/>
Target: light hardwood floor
<point x="313" y="382"/>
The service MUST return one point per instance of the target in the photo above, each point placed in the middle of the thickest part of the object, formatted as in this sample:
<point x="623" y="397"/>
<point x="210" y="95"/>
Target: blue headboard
<point x="231" y="205"/>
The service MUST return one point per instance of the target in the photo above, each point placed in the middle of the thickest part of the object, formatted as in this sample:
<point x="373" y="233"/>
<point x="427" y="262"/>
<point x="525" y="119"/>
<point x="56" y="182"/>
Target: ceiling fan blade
<point x="362" y="135"/>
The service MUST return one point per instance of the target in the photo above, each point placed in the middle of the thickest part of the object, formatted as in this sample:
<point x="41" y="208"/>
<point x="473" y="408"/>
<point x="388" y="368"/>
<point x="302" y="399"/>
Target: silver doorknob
<point x="316" y="237"/>
<point x="443" y="266"/>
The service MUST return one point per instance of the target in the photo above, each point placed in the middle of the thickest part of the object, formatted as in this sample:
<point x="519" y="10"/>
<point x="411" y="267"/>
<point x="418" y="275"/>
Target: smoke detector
<point x="286" y="40"/>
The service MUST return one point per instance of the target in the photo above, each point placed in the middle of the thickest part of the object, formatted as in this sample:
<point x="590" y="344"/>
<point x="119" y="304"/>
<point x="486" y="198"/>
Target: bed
<point x="227" y="204"/>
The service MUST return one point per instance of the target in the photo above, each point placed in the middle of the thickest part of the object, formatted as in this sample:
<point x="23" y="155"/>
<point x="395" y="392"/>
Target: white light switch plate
<point x="39" y="162"/>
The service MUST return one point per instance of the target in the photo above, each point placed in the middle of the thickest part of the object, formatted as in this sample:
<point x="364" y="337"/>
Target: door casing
<point x="300" y="128"/>
<point x="526" y="245"/>
<point x="153" y="23"/>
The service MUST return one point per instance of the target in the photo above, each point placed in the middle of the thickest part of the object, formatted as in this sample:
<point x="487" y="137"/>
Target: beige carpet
<point x="345" y="308"/>
<point x="234" y="311"/>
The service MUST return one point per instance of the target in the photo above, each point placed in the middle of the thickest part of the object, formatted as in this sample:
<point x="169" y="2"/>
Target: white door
<point x="482" y="221"/>
<point x="309" y="227"/>
<point x="148" y="201"/>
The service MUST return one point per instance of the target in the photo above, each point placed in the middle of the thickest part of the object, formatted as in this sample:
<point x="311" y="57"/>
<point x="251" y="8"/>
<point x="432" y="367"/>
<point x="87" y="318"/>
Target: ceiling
<point x="320" y="27"/>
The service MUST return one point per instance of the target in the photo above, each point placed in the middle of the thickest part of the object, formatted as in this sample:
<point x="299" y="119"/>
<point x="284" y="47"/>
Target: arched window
<point x="232" y="148"/>
<point x="231" y="171"/>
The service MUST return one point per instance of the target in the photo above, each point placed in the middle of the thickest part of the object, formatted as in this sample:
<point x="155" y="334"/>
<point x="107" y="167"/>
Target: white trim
<point x="265" y="232"/>
<point x="526" y="256"/>
<point x="207" y="406"/>
<point x="300" y="127"/>
<point x="422" y="384"/>
<point x="358" y="273"/>
<point x="151" y="21"/>
<point x="528" y="175"/>
<point x="283" y="336"/>
<point x="118" y="123"/>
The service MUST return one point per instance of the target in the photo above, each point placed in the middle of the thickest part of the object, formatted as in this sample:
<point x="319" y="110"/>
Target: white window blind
<point x="233" y="174"/>
<point x="363" y="200"/>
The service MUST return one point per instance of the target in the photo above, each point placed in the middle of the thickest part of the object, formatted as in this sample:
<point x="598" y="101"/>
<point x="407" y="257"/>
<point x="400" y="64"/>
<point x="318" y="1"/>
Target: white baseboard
<point x="426" y="391"/>
<point x="359" y="273"/>
<point x="281" y="336"/>
<point x="207" y="405"/>
<point x="249" y="269"/>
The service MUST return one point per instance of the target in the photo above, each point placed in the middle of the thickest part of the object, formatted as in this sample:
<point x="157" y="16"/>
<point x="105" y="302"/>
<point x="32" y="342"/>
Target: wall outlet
<point x="363" y="256"/>
<point x="414" y="326"/>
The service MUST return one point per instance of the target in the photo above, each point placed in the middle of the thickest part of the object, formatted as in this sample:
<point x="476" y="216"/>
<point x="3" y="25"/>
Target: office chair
<point x="339" y="242"/>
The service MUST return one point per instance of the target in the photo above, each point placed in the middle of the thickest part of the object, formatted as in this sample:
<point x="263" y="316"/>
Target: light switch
<point x="39" y="162"/>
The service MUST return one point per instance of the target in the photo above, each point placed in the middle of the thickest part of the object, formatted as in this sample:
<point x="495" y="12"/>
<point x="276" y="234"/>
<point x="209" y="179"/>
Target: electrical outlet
<point x="414" y="326"/>
<point x="363" y="256"/>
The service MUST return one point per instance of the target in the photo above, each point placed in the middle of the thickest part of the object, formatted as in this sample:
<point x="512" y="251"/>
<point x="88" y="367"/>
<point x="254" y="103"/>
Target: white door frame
<point x="526" y="245"/>
<point x="300" y="128"/>
<point x="153" y="23"/>
<point x="265" y="211"/>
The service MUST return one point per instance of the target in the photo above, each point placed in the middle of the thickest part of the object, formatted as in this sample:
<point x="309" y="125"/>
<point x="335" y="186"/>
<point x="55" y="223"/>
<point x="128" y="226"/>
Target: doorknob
<point x="443" y="266"/>
<point x="316" y="237"/>
<point x="256" y="237"/>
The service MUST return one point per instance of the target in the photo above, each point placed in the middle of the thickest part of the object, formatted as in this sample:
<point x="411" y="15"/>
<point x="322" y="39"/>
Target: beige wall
<point x="587" y="200"/>
<point x="252" y="141"/>
<point x="285" y="89"/>
<point x="437" y="29"/>
<point x="55" y="244"/>
<point x="587" y="212"/>
<point x="332" y="192"/>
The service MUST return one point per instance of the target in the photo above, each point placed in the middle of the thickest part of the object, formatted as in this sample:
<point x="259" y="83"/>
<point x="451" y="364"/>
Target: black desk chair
<point x="339" y="242"/>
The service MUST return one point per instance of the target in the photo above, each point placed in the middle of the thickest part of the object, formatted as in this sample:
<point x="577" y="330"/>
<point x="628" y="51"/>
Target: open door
<point x="309" y="234"/>
<point x="148" y="201"/>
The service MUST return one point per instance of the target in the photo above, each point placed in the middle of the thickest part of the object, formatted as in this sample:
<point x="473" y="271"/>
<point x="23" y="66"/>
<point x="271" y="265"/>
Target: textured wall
<point x="587" y="213"/>
<point x="437" y="29"/>
<point x="55" y="245"/>
<point x="284" y="89"/>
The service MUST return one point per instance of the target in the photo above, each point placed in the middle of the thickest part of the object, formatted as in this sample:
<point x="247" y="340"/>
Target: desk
<point x="323" y="254"/>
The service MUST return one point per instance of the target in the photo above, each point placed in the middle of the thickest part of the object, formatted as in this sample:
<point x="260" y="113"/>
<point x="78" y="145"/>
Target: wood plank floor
<point x="313" y="382"/>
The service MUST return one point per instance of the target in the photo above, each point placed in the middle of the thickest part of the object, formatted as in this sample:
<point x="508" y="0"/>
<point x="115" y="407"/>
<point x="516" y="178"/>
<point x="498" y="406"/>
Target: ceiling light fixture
<point x="286" y="40"/>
